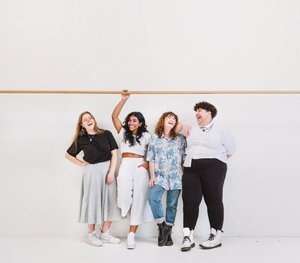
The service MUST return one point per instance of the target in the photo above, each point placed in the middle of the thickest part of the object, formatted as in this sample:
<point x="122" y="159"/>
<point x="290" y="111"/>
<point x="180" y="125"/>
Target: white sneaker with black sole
<point x="213" y="241"/>
<point x="188" y="239"/>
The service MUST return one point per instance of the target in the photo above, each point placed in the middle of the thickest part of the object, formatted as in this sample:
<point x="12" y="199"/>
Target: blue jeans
<point x="154" y="198"/>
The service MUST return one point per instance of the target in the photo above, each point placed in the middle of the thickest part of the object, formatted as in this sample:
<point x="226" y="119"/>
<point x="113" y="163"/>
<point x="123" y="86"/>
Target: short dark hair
<point x="206" y="106"/>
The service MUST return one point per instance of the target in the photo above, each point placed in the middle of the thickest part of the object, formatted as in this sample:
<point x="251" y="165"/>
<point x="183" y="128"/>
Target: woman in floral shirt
<point x="165" y="156"/>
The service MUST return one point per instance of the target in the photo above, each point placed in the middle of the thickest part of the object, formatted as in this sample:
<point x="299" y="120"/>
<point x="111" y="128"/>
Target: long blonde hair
<point x="80" y="131"/>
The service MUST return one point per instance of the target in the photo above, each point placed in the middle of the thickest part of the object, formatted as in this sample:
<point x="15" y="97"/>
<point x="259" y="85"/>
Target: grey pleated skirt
<point x="98" y="201"/>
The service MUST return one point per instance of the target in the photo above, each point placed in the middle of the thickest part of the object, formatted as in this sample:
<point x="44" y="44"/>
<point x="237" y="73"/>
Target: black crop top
<point x="96" y="151"/>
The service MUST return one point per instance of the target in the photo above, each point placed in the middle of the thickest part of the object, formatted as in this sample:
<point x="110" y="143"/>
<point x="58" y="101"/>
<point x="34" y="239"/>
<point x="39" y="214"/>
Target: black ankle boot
<point x="169" y="241"/>
<point x="164" y="232"/>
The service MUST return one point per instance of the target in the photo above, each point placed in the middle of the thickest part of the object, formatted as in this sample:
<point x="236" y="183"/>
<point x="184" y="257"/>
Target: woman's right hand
<point x="75" y="160"/>
<point x="152" y="182"/>
<point x="84" y="163"/>
<point x="125" y="96"/>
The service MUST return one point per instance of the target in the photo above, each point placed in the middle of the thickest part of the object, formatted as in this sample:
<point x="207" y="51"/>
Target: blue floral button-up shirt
<point x="167" y="156"/>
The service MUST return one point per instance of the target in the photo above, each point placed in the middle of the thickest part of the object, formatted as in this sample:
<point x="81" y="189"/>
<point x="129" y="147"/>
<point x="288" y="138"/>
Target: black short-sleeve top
<point x="96" y="150"/>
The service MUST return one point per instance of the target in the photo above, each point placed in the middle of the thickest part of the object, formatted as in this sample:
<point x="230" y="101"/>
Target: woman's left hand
<point x="109" y="178"/>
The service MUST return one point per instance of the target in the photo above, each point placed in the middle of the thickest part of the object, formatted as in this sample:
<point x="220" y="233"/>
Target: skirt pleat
<point x="98" y="201"/>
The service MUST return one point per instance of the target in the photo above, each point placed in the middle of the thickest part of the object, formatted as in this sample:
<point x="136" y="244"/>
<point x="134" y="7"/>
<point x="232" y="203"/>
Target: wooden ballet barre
<point x="150" y="92"/>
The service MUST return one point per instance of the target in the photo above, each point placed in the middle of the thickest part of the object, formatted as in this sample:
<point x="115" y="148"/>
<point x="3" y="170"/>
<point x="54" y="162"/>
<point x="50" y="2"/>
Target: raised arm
<point x="115" y="115"/>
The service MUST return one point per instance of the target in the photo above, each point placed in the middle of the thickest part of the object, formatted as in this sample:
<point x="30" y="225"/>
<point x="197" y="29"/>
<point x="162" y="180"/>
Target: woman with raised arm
<point x="133" y="174"/>
<point x="209" y="145"/>
<point x="98" y="192"/>
<point x="165" y="156"/>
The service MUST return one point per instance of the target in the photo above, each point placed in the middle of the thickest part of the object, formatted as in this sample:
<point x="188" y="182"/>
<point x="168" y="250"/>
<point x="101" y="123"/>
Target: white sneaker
<point x="213" y="241"/>
<point x="107" y="237"/>
<point x="130" y="240"/>
<point x="93" y="240"/>
<point x="188" y="239"/>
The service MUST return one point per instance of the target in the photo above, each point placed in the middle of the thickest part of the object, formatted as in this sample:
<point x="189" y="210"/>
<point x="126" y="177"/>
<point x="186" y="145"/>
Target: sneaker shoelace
<point x="186" y="238"/>
<point x="95" y="235"/>
<point x="211" y="237"/>
<point x="110" y="234"/>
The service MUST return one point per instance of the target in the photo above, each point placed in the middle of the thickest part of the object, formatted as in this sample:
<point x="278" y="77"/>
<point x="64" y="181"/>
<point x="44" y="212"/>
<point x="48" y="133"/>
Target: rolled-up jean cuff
<point x="169" y="224"/>
<point x="159" y="219"/>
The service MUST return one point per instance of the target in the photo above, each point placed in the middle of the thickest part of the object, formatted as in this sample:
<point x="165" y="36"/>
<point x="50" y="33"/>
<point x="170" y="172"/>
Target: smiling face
<point x="88" y="123"/>
<point x="134" y="124"/>
<point x="170" y="122"/>
<point x="203" y="117"/>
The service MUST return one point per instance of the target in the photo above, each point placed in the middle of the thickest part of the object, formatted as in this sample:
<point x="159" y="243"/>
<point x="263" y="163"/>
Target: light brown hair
<point x="159" y="128"/>
<point x="81" y="131"/>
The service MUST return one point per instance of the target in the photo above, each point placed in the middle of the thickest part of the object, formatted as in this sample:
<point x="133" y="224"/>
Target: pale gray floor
<point x="75" y="250"/>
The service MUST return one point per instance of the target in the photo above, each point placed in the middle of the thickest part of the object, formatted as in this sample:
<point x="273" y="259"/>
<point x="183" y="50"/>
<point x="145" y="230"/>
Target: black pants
<point x="204" y="177"/>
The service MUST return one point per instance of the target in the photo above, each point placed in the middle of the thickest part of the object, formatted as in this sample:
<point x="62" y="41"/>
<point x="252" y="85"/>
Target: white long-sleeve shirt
<point x="217" y="142"/>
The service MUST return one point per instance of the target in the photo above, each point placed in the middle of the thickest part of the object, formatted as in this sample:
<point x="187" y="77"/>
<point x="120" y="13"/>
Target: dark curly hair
<point x="159" y="128"/>
<point x="128" y="136"/>
<point x="206" y="106"/>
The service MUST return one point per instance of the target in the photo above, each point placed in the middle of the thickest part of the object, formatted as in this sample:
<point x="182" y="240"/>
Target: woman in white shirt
<point x="209" y="145"/>
<point x="133" y="175"/>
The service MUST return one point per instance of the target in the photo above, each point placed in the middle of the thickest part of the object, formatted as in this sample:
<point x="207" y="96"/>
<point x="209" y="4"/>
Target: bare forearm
<point x="75" y="160"/>
<point x="113" y="161"/>
<point x="118" y="108"/>
<point x="152" y="181"/>
<point x="152" y="169"/>
<point x="115" y="115"/>
<point x="184" y="128"/>
<point x="179" y="127"/>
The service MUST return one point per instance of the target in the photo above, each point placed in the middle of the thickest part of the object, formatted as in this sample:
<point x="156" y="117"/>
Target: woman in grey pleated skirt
<point x="98" y="202"/>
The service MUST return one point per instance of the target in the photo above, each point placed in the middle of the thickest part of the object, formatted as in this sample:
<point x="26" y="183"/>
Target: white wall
<point x="148" y="45"/>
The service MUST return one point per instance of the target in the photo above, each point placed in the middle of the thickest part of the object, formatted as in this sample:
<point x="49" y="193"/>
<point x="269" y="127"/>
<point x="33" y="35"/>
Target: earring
<point x="82" y="129"/>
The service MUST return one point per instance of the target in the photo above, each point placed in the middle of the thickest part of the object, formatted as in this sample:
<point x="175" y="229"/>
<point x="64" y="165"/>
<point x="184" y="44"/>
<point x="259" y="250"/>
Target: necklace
<point x="90" y="137"/>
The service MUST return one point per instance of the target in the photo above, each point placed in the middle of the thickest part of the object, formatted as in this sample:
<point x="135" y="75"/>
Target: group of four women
<point x="190" y="156"/>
